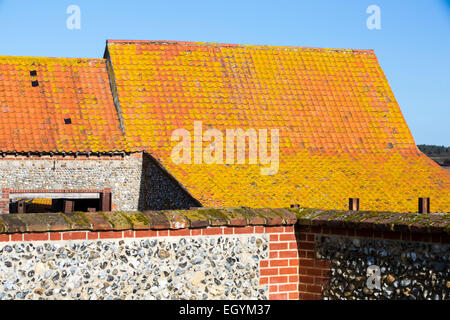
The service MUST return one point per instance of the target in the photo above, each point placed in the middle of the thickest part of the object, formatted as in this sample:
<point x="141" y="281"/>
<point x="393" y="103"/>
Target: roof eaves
<point x="67" y="153"/>
<point x="53" y="58"/>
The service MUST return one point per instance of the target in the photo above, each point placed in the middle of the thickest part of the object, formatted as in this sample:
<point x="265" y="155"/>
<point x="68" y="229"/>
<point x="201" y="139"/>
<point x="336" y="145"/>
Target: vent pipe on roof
<point x="353" y="204"/>
<point x="424" y="205"/>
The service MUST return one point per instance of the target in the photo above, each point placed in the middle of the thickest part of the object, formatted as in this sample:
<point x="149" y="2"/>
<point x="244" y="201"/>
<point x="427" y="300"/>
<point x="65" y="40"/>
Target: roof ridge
<point x="52" y="58"/>
<point x="218" y="44"/>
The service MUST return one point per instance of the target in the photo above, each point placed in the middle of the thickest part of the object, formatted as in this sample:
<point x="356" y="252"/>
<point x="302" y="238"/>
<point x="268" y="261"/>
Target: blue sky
<point x="413" y="45"/>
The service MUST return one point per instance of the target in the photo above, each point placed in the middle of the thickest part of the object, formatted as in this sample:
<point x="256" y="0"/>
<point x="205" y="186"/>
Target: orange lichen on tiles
<point x="57" y="104"/>
<point x="342" y="133"/>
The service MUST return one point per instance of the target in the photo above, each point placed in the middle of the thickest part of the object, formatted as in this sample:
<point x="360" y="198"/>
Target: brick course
<point x="279" y="271"/>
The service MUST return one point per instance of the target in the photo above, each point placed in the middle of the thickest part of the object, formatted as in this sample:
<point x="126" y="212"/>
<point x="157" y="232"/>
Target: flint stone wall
<point x="160" y="191"/>
<point x="196" y="267"/>
<point x="137" y="181"/>
<point x="122" y="175"/>
<point x="408" y="270"/>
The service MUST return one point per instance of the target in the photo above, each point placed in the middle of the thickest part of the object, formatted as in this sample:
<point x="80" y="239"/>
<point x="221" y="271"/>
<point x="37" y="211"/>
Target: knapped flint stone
<point x="390" y="279"/>
<point x="408" y="269"/>
<point x="163" y="254"/>
<point x="179" y="272"/>
<point x="104" y="269"/>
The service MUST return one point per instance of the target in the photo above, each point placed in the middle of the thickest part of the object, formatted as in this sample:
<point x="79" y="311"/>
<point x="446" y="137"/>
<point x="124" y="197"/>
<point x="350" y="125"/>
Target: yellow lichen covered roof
<point x="342" y="133"/>
<point x="57" y="105"/>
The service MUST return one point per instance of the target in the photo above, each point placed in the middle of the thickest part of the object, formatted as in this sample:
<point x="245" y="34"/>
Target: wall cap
<point x="223" y="217"/>
<point x="147" y="220"/>
<point x="375" y="220"/>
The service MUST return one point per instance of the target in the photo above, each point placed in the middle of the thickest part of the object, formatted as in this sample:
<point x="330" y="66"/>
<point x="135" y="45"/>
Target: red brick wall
<point x="314" y="274"/>
<point x="4" y="201"/>
<point x="280" y="271"/>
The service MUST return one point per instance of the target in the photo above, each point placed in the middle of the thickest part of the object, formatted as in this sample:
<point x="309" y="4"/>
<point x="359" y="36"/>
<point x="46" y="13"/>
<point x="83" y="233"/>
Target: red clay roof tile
<point x="70" y="109"/>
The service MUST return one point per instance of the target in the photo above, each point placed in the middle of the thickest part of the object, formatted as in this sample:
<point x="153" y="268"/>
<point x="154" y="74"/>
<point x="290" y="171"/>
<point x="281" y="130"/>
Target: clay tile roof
<point x="342" y="133"/>
<point x="57" y="104"/>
